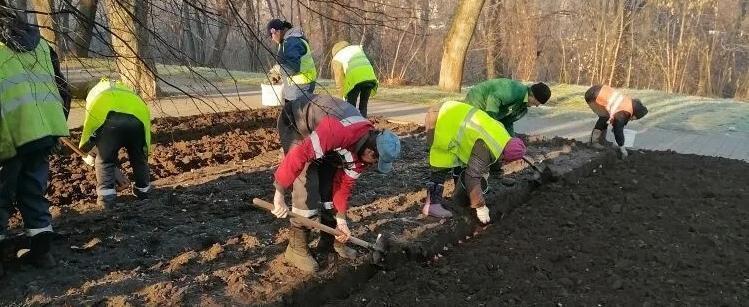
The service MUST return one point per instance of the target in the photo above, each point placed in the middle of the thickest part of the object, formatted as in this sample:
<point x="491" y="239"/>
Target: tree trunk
<point x="127" y="20"/>
<point x="225" y="19"/>
<point x="188" y="37"/>
<point x="46" y="21"/>
<point x="456" y="44"/>
<point x="200" y="18"/>
<point x="85" y="29"/>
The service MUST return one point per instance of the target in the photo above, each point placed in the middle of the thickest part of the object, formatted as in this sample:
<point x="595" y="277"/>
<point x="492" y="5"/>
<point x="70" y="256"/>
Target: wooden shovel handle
<point x="257" y="202"/>
<point x="72" y="146"/>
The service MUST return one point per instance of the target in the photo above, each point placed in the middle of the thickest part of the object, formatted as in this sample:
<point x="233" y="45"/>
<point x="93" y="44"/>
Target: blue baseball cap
<point x="388" y="149"/>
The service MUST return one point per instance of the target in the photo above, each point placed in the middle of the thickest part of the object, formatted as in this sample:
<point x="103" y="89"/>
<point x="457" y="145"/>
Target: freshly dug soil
<point x="659" y="229"/>
<point x="196" y="241"/>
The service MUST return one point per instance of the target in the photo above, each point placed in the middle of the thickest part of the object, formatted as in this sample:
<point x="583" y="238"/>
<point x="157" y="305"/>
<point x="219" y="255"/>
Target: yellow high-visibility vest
<point x="30" y="103"/>
<point x="458" y="127"/>
<point x="356" y="68"/>
<point x="114" y="96"/>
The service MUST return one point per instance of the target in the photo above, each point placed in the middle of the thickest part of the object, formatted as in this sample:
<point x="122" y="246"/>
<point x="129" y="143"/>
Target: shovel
<point x="120" y="180"/>
<point x="542" y="176"/>
<point x="378" y="248"/>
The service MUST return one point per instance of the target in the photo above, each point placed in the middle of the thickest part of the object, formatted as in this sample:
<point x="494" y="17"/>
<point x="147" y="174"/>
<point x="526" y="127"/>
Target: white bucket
<point x="272" y="95"/>
<point x="629" y="137"/>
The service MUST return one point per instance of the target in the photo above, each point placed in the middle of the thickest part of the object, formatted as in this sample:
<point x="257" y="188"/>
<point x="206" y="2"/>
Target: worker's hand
<point x="483" y="214"/>
<point x="280" y="210"/>
<point x="88" y="159"/>
<point x="623" y="153"/>
<point x="342" y="228"/>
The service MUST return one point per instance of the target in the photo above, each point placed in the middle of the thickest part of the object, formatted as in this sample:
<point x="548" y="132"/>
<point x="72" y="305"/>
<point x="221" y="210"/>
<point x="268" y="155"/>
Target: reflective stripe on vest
<point x="458" y="127"/>
<point x="348" y="158"/>
<point x="307" y="71"/>
<point x="30" y="102"/>
<point x="356" y="66"/>
<point x="612" y="101"/>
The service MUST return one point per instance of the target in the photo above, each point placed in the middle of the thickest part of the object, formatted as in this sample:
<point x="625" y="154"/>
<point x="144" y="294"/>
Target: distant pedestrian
<point x="294" y="59"/>
<point x="354" y="75"/>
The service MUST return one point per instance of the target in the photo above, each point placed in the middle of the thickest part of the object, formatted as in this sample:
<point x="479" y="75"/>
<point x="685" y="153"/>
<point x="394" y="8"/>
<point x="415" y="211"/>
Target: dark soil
<point x="659" y="229"/>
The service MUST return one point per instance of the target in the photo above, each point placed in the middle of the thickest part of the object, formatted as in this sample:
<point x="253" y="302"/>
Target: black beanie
<point x="277" y="24"/>
<point x="541" y="92"/>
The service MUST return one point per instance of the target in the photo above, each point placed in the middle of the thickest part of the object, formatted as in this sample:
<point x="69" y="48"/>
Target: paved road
<point x="651" y="133"/>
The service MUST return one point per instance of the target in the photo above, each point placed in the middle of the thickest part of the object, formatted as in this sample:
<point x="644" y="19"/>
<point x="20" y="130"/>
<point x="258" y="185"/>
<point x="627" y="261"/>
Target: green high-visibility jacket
<point x="30" y="104"/>
<point x="505" y="100"/>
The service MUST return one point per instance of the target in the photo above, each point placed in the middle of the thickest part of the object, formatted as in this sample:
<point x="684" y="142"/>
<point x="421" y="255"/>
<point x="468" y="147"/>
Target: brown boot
<point x="297" y="252"/>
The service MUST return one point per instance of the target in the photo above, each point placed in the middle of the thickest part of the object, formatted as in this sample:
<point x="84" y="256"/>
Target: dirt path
<point x="661" y="229"/>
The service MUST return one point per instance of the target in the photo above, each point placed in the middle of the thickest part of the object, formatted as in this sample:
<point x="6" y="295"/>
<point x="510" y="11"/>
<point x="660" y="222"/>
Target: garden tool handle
<point x="72" y="146"/>
<point x="259" y="203"/>
<point x="531" y="164"/>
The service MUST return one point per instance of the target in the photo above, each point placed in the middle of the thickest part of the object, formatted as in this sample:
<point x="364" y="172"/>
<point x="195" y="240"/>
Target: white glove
<point x="280" y="210"/>
<point x="342" y="227"/>
<point x="623" y="151"/>
<point x="483" y="214"/>
<point x="88" y="159"/>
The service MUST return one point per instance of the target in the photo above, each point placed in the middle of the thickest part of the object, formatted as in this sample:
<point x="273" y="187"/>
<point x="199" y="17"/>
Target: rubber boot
<point x="141" y="193"/>
<point x="598" y="138"/>
<point x="297" y="252"/>
<point x="328" y="243"/>
<point x="40" y="245"/>
<point x="107" y="202"/>
<point x="433" y="206"/>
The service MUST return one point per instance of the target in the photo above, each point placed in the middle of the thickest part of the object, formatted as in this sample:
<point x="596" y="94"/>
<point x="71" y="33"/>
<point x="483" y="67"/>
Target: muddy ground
<point x="661" y="229"/>
<point x="197" y="241"/>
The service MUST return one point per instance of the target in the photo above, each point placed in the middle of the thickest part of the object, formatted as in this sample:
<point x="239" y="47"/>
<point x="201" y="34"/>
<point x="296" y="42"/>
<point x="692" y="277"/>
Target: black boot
<point x="328" y="243"/>
<point x="40" y="245"/>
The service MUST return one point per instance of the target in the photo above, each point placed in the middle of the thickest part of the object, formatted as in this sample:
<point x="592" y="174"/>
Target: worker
<point x="354" y="74"/>
<point x="612" y="106"/>
<point x="327" y="149"/>
<point x="467" y="141"/>
<point x="34" y="99"/>
<point x="116" y="117"/>
<point x="294" y="58"/>
<point x="507" y="100"/>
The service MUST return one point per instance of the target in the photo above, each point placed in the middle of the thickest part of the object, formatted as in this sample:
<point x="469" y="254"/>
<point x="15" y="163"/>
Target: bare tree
<point x="85" y="29"/>
<point x="130" y="43"/>
<point x="46" y="21"/>
<point x="456" y="43"/>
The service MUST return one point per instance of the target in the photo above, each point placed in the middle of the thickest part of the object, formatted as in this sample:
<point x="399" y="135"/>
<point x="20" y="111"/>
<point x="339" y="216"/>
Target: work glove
<point x="623" y="153"/>
<point x="280" y="210"/>
<point x="89" y="160"/>
<point x="483" y="214"/>
<point x="342" y="228"/>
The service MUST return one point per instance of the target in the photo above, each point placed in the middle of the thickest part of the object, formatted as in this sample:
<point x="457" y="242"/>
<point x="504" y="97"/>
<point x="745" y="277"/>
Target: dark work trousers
<point x="118" y="131"/>
<point x="305" y="195"/>
<point x="327" y="169"/>
<point x="362" y="91"/>
<point x="23" y="183"/>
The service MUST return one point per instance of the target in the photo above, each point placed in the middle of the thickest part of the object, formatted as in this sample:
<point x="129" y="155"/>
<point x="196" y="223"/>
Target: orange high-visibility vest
<point x="610" y="101"/>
